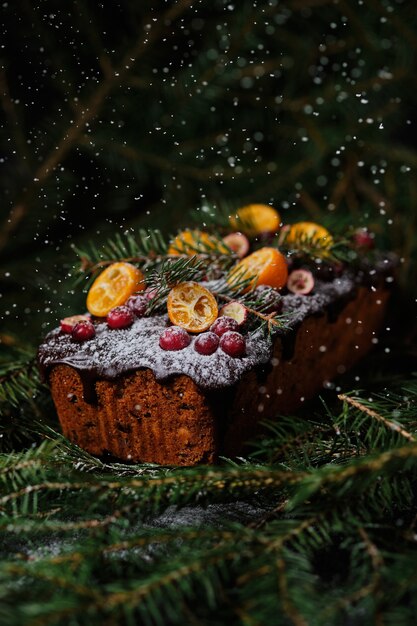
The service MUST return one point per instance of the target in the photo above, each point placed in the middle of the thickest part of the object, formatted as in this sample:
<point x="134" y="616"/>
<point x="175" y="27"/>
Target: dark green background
<point x="306" y="104"/>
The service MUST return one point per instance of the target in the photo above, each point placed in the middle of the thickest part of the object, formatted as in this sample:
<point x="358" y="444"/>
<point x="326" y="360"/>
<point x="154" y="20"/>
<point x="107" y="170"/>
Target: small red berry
<point x="206" y="343"/>
<point x="233" y="343"/>
<point x="83" y="331"/>
<point x="223" y="324"/>
<point x="300" y="282"/>
<point x="174" y="338"/>
<point x="68" y="323"/>
<point x="120" y="317"/>
<point x="138" y="304"/>
<point x="362" y="238"/>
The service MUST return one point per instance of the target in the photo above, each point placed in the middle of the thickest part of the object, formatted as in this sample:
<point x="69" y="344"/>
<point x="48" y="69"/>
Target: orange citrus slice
<point x="191" y="242"/>
<point x="192" y="307"/>
<point x="255" y="219"/>
<point x="113" y="287"/>
<point x="266" y="266"/>
<point x="305" y="232"/>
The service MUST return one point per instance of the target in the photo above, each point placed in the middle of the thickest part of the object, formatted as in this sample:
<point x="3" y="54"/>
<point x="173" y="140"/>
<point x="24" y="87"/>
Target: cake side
<point x="176" y="422"/>
<point x="324" y="347"/>
<point x="137" y="418"/>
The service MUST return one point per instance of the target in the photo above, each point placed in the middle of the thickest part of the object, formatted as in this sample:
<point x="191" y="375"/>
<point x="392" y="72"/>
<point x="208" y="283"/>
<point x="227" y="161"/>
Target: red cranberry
<point x="138" y="304"/>
<point x="120" y="317"/>
<point x="206" y="343"/>
<point x="364" y="239"/>
<point x="223" y="324"/>
<point x="174" y="338"/>
<point x="68" y="323"/>
<point x="233" y="343"/>
<point x="83" y="331"/>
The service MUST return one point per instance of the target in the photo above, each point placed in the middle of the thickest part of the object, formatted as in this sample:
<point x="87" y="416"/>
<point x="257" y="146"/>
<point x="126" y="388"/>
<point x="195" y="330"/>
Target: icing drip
<point x="115" y="352"/>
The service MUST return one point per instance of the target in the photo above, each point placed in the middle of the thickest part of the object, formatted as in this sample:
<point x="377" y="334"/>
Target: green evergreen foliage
<point x="125" y="116"/>
<point x="329" y="534"/>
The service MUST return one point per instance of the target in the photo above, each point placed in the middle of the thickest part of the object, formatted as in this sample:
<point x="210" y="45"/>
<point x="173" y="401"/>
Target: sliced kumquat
<point x="266" y="266"/>
<point x="306" y="232"/>
<point x="192" y="306"/>
<point x="113" y="287"/>
<point x="254" y="219"/>
<point x="192" y="242"/>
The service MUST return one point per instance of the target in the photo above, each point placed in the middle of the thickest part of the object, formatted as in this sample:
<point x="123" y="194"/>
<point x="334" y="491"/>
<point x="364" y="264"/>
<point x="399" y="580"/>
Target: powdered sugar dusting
<point x="298" y="307"/>
<point x="115" y="352"/>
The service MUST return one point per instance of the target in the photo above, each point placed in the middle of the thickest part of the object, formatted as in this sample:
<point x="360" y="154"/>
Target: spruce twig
<point x="19" y="381"/>
<point x="380" y="418"/>
<point x="272" y="320"/>
<point x="289" y="609"/>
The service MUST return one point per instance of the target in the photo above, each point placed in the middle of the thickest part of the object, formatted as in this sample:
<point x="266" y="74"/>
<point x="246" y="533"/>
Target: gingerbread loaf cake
<point x="121" y="392"/>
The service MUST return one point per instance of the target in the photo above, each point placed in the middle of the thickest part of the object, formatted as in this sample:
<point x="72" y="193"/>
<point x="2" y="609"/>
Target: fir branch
<point x="289" y="609"/>
<point x="272" y="321"/>
<point x="150" y="249"/>
<point x="148" y="246"/>
<point x="169" y="273"/>
<point x="313" y="247"/>
<point x="373" y="414"/>
<point x="19" y="381"/>
<point x="214" y="215"/>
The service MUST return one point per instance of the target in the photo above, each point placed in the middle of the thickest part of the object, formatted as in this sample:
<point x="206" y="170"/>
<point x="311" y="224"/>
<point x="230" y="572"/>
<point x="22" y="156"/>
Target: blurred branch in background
<point x="86" y="112"/>
<point x="174" y="103"/>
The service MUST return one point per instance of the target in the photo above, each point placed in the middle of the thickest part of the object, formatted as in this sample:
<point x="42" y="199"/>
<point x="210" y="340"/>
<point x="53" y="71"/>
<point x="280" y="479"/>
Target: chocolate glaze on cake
<point x="115" y="352"/>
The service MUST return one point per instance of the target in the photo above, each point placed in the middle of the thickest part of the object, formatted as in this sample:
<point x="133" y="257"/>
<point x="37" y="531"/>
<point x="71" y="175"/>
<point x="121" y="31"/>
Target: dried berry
<point x="235" y="310"/>
<point x="300" y="282"/>
<point x="238" y="243"/>
<point x="362" y="238"/>
<point x="138" y="305"/>
<point x="68" y="323"/>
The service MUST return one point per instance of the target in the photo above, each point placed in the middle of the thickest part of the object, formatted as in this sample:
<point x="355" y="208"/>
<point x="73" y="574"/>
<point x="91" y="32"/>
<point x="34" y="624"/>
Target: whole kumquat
<point x="192" y="242"/>
<point x="306" y="232"/>
<point x="254" y="219"/>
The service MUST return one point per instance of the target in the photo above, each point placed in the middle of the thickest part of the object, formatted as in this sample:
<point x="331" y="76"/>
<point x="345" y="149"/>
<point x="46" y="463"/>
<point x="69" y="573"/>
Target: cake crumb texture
<point x="137" y="418"/>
